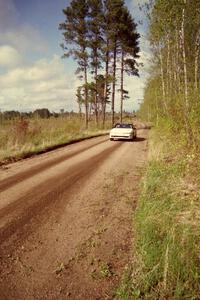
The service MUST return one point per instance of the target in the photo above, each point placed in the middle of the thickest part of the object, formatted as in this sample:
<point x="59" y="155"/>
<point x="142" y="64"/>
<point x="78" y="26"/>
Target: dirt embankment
<point x="66" y="218"/>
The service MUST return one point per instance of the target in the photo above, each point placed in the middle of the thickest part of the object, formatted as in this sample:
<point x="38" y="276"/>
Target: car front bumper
<point x="124" y="137"/>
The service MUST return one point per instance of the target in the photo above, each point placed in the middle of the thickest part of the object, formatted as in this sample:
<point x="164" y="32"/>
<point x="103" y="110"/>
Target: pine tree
<point x="113" y="11"/>
<point x="75" y="32"/>
<point x="129" y="47"/>
<point x="80" y="99"/>
<point x="95" y="35"/>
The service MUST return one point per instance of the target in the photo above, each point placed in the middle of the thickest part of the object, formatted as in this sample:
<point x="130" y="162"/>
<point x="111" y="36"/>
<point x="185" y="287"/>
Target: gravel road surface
<point x="66" y="220"/>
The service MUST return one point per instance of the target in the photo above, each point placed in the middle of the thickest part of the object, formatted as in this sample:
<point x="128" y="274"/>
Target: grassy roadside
<point x="167" y="223"/>
<point x="22" y="138"/>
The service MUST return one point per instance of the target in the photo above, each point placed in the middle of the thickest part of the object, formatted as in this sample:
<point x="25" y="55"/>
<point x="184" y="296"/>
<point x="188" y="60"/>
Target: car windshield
<point x="123" y="126"/>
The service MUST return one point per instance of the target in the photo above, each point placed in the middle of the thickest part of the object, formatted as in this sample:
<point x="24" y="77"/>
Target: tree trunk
<point x="113" y="85"/>
<point x="106" y="84"/>
<point x="184" y="59"/>
<point x="197" y="50"/>
<point x="163" y="81"/>
<point x="177" y="66"/>
<point x="122" y="86"/>
<point x="95" y="100"/>
<point x="157" y="118"/>
<point x="89" y="111"/>
<point x="80" y="111"/>
<point x="86" y="97"/>
<point x="186" y="108"/>
<point x="169" y="67"/>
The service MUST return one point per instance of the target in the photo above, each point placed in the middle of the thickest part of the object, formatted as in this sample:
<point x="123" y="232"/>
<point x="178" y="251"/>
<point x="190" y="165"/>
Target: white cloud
<point x="27" y="82"/>
<point x="48" y="83"/>
<point x="40" y="71"/>
<point x="135" y="86"/>
<point x="42" y="84"/>
<point x="27" y="85"/>
<point x="9" y="56"/>
<point x="25" y="38"/>
<point x="145" y="59"/>
<point x="139" y="2"/>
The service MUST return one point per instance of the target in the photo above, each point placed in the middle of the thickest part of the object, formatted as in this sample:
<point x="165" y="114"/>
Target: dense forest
<point x="102" y="37"/>
<point x="172" y="91"/>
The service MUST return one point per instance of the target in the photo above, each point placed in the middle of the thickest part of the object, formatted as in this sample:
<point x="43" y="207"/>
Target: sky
<point x="32" y="72"/>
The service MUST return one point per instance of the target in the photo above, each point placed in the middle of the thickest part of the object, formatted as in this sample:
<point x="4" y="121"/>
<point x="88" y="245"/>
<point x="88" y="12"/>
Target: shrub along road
<point x="66" y="220"/>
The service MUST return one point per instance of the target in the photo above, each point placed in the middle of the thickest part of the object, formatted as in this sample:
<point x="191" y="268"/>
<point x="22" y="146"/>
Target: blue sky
<point x="32" y="73"/>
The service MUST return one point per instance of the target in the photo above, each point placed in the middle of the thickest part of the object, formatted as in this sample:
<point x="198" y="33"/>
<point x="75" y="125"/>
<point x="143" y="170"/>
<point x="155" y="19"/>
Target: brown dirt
<point x="66" y="219"/>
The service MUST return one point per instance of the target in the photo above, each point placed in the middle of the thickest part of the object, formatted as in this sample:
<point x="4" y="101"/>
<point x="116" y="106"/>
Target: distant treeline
<point x="44" y="113"/>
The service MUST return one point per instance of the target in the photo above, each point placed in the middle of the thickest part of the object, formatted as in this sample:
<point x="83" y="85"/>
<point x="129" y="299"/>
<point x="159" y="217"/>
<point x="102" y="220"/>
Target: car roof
<point x="124" y="125"/>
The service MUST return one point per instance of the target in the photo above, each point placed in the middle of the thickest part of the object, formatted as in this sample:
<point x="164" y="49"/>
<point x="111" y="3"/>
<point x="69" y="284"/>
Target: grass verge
<point x="21" y="138"/>
<point x="167" y="224"/>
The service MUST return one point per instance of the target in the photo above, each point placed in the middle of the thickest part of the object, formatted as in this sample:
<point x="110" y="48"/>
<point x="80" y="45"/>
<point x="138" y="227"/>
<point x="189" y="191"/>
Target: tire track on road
<point x="32" y="204"/>
<point x="15" y="179"/>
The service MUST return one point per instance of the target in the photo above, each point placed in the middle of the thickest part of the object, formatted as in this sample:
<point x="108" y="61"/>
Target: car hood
<point x="121" y="130"/>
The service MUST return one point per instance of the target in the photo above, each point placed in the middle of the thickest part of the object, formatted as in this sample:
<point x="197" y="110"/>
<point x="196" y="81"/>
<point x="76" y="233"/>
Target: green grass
<point x="167" y="235"/>
<point x="22" y="137"/>
<point x="167" y="224"/>
<point x="105" y="270"/>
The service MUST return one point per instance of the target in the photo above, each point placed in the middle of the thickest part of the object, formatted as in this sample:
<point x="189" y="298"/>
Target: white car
<point x="124" y="131"/>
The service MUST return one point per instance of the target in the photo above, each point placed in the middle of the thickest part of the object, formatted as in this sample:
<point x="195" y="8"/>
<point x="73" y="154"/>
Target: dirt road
<point x="66" y="219"/>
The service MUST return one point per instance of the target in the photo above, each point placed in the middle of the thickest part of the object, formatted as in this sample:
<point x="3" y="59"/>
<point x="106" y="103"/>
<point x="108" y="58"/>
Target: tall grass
<point x="167" y="224"/>
<point x="20" y="137"/>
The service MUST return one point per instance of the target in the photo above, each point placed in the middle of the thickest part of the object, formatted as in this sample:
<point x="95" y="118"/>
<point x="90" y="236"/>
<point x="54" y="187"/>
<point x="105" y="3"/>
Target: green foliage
<point x="167" y="217"/>
<point x="105" y="270"/>
<point x="167" y="221"/>
<point x="173" y="88"/>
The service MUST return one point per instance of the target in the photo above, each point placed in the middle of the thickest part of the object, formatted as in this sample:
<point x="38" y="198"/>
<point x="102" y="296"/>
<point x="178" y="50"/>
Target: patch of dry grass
<point x="21" y="137"/>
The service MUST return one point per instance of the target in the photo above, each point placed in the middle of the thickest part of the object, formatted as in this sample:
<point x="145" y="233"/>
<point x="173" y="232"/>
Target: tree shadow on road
<point x="139" y="139"/>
